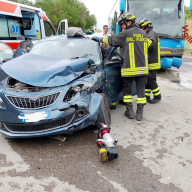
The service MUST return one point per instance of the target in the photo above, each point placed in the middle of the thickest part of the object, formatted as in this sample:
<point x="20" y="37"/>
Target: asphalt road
<point x="154" y="155"/>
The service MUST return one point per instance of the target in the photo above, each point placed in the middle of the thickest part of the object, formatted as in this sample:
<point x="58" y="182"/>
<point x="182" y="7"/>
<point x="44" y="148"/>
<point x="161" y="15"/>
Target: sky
<point x="102" y="8"/>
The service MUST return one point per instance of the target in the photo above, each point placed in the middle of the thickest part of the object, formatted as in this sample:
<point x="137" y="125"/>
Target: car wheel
<point x="104" y="115"/>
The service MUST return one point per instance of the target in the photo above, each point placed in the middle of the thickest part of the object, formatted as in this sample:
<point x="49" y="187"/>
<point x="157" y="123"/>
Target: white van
<point x="19" y="22"/>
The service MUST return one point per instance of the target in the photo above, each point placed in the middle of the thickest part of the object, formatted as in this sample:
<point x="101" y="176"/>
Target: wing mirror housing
<point x="115" y="60"/>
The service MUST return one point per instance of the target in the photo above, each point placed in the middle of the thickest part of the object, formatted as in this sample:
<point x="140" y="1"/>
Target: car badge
<point x="34" y="97"/>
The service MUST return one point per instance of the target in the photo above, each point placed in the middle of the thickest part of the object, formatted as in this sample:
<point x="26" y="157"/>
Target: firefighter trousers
<point x="140" y="87"/>
<point x="151" y="85"/>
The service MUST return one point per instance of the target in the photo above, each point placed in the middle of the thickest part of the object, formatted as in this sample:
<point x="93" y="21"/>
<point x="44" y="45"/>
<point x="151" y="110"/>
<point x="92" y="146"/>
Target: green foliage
<point x="73" y="10"/>
<point x="188" y="13"/>
<point x="26" y="2"/>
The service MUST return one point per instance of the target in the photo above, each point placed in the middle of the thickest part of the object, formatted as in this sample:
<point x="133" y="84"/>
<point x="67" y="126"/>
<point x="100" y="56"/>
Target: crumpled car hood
<point x="42" y="71"/>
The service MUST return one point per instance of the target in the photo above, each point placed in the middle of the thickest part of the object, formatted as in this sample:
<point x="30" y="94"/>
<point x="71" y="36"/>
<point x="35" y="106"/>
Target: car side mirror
<point x="118" y="60"/>
<point x="114" y="61"/>
<point x="14" y="54"/>
<point x="26" y="46"/>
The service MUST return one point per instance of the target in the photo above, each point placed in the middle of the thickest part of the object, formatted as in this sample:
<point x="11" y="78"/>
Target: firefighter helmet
<point x="145" y="23"/>
<point x="126" y="17"/>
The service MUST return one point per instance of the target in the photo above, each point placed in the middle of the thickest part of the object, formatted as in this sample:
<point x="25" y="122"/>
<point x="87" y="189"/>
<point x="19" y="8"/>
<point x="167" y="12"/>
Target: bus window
<point x="166" y="16"/>
<point x="26" y="23"/>
<point x="4" y="31"/>
<point x="14" y="26"/>
<point x="48" y="29"/>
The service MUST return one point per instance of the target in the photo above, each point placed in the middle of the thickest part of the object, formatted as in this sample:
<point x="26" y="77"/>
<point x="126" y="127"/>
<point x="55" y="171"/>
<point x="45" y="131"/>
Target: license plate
<point x="34" y="117"/>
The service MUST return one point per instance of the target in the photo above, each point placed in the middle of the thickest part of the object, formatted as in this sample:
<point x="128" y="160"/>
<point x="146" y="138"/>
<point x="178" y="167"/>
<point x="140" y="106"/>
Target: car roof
<point x="62" y="37"/>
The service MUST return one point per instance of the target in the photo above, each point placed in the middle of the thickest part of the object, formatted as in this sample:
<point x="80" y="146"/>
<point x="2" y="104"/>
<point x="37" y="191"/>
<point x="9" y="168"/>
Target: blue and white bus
<point x="168" y="18"/>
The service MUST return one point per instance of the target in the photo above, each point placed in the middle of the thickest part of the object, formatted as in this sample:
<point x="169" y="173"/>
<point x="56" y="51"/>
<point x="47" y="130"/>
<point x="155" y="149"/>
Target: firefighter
<point x="134" y="49"/>
<point x="153" y="61"/>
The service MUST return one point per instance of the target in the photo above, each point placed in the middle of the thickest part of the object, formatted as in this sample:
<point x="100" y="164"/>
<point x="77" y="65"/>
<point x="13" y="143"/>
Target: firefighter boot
<point x="129" y="112"/>
<point x="155" y="100"/>
<point x="139" y="112"/>
<point x="113" y="106"/>
<point x="148" y="99"/>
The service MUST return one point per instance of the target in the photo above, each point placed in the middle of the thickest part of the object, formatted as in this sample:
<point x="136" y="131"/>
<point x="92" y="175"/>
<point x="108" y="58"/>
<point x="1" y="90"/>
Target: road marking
<point x="12" y="157"/>
<point x="38" y="185"/>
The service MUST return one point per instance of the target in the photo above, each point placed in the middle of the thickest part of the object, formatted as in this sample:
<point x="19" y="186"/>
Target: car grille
<point x="44" y="126"/>
<point x="27" y="103"/>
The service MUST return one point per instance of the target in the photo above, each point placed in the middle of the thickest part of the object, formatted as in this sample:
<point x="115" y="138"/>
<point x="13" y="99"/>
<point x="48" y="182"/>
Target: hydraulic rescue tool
<point x="106" y="144"/>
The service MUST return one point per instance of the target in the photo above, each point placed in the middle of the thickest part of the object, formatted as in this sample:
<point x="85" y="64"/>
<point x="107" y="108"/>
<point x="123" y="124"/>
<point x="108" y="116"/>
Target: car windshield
<point x="5" y="52"/>
<point x="68" y="48"/>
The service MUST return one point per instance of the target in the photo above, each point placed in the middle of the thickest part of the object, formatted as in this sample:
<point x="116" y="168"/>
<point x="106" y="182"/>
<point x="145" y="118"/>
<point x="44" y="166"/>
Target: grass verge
<point x="188" y="47"/>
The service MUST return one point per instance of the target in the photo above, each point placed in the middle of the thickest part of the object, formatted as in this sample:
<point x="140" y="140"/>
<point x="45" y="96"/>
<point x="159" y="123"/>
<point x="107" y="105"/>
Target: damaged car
<point x="61" y="86"/>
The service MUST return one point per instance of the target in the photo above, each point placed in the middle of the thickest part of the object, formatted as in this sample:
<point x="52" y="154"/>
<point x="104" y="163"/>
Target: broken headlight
<point x="86" y="87"/>
<point x="2" y="105"/>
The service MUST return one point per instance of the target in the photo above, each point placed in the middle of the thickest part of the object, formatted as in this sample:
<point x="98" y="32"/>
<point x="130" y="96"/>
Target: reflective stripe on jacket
<point x="154" y="50"/>
<point x="134" y="50"/>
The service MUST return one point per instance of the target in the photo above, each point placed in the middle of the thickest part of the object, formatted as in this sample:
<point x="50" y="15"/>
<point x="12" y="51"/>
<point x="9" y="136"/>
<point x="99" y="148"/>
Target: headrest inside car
<point x="74" y="32"/>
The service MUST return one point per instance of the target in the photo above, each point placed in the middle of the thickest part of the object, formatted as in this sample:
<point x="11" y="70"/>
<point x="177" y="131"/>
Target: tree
<point x="73" y="10"/>
<point x="188" y="13"/>
<point x="25" y="2"/>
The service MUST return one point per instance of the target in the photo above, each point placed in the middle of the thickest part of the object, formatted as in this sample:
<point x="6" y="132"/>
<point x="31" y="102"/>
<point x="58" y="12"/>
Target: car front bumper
<point x="58" y="124"/>
<point x="62" y="130"/>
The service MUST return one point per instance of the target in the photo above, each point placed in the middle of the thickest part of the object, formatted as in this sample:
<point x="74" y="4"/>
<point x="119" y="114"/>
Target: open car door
<point x="62" y="27"/>
<point x="112" y="64"/>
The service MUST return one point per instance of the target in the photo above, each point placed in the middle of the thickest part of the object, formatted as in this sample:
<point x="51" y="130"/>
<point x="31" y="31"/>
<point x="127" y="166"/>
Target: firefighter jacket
<point x="134" y="50"/>
<point x="154" y="60"/>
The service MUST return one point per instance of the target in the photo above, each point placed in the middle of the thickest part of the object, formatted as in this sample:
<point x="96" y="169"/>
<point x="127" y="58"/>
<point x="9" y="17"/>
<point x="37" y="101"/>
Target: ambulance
<point x="20" y="22"/>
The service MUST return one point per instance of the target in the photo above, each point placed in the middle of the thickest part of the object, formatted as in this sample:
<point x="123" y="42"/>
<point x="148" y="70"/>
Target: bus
<point x="19" y="22"/>
<point x="167" y="17"/>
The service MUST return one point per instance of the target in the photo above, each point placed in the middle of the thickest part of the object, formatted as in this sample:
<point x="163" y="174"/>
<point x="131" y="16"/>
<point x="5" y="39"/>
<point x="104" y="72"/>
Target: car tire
<point x="104" y="115"/>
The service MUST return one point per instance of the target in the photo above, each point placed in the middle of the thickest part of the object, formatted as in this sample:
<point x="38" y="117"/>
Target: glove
<point x="95" y="39"/>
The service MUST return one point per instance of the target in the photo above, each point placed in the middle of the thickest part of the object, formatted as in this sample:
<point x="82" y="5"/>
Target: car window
<point x="48" y="29"/>
<point x="5" y="52"/>
<point x="68" y="48"/>
<point x="116" y="52"/>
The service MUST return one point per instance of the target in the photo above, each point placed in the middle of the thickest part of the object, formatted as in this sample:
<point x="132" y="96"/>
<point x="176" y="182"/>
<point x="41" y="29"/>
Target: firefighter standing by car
<point x="134" y="43"/>
<point x="153" y="61"/>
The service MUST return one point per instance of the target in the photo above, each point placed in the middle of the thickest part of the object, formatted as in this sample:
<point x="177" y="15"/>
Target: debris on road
<point x="58" y="137"/>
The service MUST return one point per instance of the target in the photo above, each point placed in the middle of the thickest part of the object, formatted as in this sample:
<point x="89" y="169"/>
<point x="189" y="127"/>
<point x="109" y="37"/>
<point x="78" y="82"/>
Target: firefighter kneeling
<point x="134" y="51"/>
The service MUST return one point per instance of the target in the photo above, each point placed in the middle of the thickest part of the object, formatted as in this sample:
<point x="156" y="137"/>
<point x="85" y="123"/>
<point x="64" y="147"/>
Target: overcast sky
<point x="101" y="9"/>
